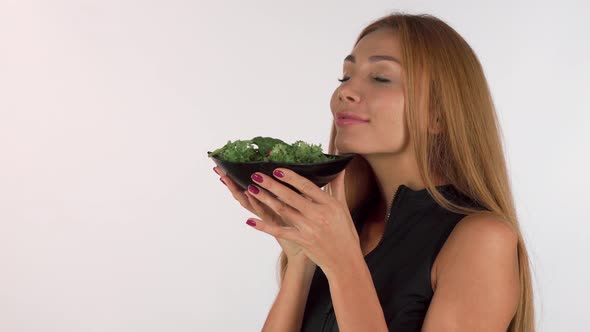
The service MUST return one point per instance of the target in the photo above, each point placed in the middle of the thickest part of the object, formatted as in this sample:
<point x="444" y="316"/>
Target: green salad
<point x="271" y="149"/>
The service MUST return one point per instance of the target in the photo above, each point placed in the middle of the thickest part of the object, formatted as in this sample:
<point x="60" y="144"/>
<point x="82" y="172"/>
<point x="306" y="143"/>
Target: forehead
<point x="381" y="41"/>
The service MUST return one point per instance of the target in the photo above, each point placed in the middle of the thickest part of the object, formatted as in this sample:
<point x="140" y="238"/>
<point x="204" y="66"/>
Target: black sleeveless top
<point x="400" y="265"/>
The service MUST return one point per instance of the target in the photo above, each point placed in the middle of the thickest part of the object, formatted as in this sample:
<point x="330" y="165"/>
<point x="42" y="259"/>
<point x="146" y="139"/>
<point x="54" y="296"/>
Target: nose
<point x="347" y="94"/>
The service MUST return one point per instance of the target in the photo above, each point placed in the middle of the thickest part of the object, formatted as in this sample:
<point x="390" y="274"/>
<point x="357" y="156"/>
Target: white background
<point x="111" y="218"/>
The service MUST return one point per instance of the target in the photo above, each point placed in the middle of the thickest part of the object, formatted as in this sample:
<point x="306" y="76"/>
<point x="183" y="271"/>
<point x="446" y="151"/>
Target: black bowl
<point x="319" y="173"/>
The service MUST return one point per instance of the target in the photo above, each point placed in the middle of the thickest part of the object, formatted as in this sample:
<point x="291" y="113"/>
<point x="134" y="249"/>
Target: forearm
<point x="355" y="299"/>
<point x="287" y="310"/>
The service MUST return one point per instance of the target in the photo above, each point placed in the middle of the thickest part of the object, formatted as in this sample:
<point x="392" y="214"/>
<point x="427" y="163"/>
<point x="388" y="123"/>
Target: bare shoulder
<point x="476" y="236"/>
<point x="484" y="230"/>
<point x="476" y="275"/>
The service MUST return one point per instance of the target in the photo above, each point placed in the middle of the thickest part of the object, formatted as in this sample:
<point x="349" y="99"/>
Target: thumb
<point x="338" y="187"/>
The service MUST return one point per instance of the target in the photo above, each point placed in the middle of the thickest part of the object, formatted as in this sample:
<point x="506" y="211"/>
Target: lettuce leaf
<point x="271" y="149"/>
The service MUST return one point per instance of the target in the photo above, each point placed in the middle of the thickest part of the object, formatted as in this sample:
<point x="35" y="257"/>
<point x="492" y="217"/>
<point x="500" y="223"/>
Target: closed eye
<point x="378" y="79"/>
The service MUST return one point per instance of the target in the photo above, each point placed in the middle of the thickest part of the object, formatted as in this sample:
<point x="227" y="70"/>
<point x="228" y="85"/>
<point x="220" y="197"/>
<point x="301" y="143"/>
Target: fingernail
<point x="256" y="177"/>
<point x="251" y="222"/>
<point x="253" y="189"/>
<point x="220" y="179"/>
<point x="278" y="173"/>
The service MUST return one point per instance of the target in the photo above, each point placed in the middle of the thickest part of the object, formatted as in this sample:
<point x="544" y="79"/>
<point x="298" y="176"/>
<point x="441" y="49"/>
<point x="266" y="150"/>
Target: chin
<point x="345" y="147"/>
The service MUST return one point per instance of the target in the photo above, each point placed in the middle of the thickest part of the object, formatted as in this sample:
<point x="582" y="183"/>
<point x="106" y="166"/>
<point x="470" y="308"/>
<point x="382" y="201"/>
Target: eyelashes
<point x="378" y="79"/>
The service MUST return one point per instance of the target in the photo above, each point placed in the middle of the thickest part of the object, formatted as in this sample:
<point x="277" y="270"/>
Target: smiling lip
<point x="350" y="115"/>
<point x="348" y="122"/>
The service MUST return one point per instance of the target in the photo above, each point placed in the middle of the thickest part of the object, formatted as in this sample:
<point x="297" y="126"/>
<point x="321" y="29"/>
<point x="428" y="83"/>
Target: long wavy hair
<point x="445" y="80"/>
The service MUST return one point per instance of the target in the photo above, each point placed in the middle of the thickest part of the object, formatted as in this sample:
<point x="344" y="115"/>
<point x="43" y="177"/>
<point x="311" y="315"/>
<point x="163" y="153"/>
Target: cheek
<point x="388" y="109"/>
<point x="389" y="105"/>
<point x="396" y="98"/>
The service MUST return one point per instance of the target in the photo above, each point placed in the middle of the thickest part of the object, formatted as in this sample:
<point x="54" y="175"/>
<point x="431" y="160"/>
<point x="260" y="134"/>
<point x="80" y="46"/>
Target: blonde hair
<point x="445" y="80"/>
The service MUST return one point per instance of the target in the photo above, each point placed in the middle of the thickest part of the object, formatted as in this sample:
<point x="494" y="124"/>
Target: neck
<point x="392" y="170"/>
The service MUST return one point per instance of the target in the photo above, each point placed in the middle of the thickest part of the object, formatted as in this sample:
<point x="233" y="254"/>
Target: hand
<point x="319" y="223"/>
<point x="291" y="249"/>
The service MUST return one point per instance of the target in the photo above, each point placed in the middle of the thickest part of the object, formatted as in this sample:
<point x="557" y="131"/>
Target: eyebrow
<point x="373" y="58"/>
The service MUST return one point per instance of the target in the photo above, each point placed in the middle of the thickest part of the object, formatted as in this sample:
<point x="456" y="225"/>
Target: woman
<point x="419" y="232"/>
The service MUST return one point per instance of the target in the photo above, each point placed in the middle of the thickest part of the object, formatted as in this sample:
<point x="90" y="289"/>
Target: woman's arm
<point x="286" y="313"/>
<point x="355" y="299"/>
<point x="477" y="283"/>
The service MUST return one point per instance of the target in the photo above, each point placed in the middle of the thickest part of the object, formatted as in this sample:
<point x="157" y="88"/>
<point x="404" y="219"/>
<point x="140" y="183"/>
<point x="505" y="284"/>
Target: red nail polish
<point x="253" y="189"/>
<point x="251" y="222"/>
<point x="256" y="177"/>
<point x="278" y="174"/>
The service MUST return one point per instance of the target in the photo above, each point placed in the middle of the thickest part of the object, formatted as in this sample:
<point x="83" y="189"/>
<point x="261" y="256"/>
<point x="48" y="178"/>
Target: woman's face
<point x="373" y="90"/>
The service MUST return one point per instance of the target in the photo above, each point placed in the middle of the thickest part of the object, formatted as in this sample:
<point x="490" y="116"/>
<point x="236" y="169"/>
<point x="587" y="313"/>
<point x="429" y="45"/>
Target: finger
<point x="298" y="202"/>
<point x="285" y="211"/>
<point x="261" y="210"/>
<point x="304" y="185"/>
<point x="281" y="232"/>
